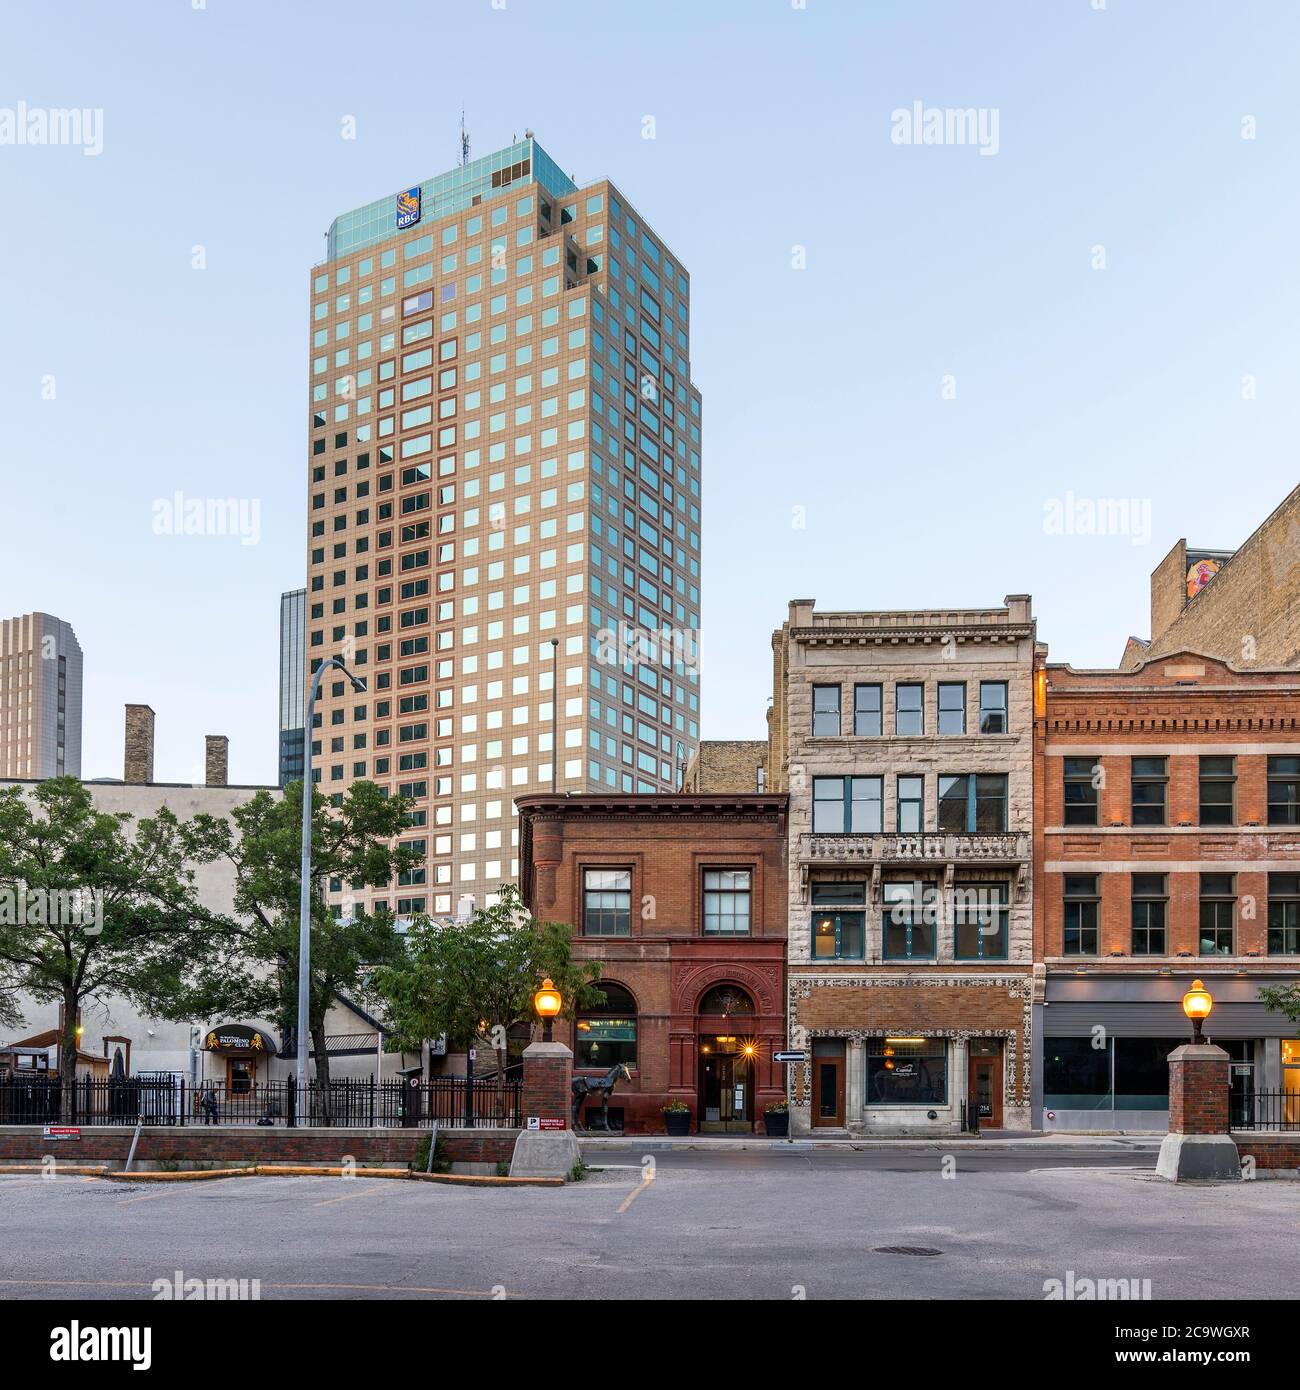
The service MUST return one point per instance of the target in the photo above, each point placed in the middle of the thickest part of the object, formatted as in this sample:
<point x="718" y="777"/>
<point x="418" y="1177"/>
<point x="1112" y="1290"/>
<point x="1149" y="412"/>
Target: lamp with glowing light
<point x="548" y="1003"/>
<point x="1197" y="1003"/>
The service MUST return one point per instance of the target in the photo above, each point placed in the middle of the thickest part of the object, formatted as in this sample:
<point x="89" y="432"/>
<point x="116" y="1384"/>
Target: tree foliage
<point x="142" y="933"/>
<point x="467" y="979"/>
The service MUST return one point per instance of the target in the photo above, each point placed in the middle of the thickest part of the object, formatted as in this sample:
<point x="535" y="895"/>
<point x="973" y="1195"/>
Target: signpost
<point x="790" y="1059"/>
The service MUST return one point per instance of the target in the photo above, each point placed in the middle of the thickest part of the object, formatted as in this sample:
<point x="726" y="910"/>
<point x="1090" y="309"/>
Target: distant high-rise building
<point x="40" y="697"/>
<point x="504" y="497"/>
<point x="293" y="693"/>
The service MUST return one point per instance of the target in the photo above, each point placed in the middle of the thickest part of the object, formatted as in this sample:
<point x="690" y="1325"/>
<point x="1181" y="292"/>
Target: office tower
<point x="40" y="697"/>
<point x="293" y="690"/>
<point x="504" y="494"/>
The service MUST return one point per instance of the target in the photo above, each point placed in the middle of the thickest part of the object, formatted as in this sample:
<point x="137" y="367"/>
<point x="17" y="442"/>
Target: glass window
<point x="844" y="805"/>
<point x="1076" y="1074"/>
<point x="908" y="926"/>
<point x="1284" y="914"/>
<point x="1218" y="791"/>
<point x="907" y="1071"/>
<point x="1150" y="900"/>
<point x="1150" y="784"/>
<point x="1082" y="779"/>
<point x="838" y="921"/>
<point x="952" y="707"/>
<point x="973" y="803"/>
<point x="993" y="707"/>
<point x="1218" y="912"/>
<point x="911" y="805"/>
<point x="1080" y="914"/>
<point x="605" y="1034"/>
<point x="726" y="902"/>
<point x="1284" y="791"/>
<point x="908" y="715"/>
<point x="826" y="711"/>
<point x="980" y="919"/>
<point x="866" y="711"/>
<point x="607" y="902"/>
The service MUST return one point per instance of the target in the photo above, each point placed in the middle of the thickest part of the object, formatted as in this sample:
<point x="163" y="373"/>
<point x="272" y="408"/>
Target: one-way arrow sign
<point x="789" y="1056"/>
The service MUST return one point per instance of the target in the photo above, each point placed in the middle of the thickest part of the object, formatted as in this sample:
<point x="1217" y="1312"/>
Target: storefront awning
<point x="239" y="1037"/>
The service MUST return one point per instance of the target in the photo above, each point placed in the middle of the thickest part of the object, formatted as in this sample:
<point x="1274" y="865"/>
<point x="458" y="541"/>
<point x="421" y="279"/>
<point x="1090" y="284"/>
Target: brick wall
<point x="726" y="766"/>
<point x="1180" y="708"/>
<point x="1198" y="1094"/>
<point x="1284" y="1152"/>
<point x="237" y="1147"/>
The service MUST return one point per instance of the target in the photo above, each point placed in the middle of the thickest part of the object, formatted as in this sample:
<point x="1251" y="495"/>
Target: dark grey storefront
<point x="1105" y="1043"/>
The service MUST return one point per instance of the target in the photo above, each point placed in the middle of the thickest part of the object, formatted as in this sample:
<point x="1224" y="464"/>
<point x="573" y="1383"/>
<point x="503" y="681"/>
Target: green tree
<point x="476" y="979"/>
<point x="255" y="969"/>
<point x="1283" y="999"/>
<point x="94" y="907"/>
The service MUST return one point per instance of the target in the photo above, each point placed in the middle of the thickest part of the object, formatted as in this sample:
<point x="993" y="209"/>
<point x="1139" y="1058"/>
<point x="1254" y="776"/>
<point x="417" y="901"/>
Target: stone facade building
<point x="905" y="742"/>
<point x="682" y="899"/>
<point x="1167" y="848"/>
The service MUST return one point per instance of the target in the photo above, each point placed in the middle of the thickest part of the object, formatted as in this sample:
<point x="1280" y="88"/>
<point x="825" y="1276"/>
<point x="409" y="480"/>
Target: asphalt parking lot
<point x="753" y="1225"/>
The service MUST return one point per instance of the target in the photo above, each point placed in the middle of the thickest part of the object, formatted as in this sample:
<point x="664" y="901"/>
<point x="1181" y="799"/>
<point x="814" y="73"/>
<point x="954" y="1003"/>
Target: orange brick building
<point x="682" y="898"/>
<point x="1166" y="847"/>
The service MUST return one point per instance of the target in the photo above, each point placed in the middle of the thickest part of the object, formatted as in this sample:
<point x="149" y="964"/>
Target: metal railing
<point x="348" y="1103"/>
<point x="1278" y="1110"/>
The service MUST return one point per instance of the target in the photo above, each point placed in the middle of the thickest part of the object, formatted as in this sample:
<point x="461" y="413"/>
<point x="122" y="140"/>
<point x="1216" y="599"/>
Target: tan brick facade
<point x="728" y="766"/>
<point x="1248" y="613"/>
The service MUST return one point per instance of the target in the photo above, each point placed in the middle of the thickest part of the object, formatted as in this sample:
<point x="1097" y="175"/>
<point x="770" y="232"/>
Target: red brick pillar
<point x="547" y="1088"/>
<point x="1198" y="1144"/>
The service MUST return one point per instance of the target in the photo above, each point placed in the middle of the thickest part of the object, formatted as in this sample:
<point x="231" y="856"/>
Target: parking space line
<point x="350" y="1196"/>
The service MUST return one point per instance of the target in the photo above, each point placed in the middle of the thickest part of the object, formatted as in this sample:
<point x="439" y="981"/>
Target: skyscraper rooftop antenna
<point x="464" y="142"/>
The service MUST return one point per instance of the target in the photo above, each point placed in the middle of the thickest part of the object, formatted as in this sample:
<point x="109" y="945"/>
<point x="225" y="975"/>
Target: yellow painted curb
<point x="288" y="1170"/>
<point x="198" y="1175"/>
<point x="78" y="1169"/>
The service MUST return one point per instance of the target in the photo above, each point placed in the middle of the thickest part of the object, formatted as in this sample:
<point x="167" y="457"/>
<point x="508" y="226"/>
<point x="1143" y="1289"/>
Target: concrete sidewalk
<point x="594" y="1143"/>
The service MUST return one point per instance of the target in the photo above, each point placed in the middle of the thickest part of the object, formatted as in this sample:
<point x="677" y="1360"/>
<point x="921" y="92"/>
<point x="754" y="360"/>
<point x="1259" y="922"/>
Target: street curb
<point x="198" y="1175"/>
<point x="76" y="1169"/>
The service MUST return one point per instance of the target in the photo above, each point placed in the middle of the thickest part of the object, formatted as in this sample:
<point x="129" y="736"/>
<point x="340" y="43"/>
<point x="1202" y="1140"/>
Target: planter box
<point x="777" y="1124"/>
<point x="678" y="1123"/>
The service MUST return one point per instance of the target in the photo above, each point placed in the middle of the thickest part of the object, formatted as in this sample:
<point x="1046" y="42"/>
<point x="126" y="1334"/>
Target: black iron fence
<point x="349" y="1103"/>
<point x="1264" y="1110"/>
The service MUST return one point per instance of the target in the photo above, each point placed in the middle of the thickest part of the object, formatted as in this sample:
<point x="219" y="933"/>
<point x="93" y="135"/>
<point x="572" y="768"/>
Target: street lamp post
<point x="1197" y="1003"/>
<point x="304" y="895"/>
<point x="555" y="695"/>
<point x="548" y="1002"/>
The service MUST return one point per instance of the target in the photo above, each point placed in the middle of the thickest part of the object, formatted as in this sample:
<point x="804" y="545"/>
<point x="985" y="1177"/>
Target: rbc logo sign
<point x="408" y="208"/>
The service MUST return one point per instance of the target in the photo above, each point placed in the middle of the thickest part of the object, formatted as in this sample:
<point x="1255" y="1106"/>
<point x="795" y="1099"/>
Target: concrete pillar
<point x="216" y="759"/>
<point x="137" y="761"/>
<point x="1198" y="1144"/>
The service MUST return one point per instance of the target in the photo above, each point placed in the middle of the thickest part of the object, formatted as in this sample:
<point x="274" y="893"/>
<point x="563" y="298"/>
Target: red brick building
<point x="1166" y="848"/>
<point x="682" y="898"/>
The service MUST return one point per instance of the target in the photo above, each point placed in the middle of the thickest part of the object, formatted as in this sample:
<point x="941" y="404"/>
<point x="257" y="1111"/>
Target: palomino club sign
<point x="237" y="1037"/>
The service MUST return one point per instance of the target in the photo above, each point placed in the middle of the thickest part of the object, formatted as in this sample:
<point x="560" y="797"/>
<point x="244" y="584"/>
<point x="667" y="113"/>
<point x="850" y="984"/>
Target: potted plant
<point x="677" y="1118"/>
<point x="776" y="1118"/>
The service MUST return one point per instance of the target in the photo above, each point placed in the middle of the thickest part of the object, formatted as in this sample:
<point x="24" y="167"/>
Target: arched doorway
<point x="727" y="1050"/>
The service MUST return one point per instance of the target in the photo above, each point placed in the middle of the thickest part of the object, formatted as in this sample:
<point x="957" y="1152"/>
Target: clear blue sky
<point x="1118" y="127"/>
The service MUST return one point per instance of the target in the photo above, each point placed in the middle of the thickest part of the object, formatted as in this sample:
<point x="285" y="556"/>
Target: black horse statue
<point x="584" y="1086"/>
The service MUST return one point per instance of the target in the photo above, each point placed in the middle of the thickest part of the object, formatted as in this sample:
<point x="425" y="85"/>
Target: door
<point x="985" y="1091"/>
<point x="828" y="1091"/>
<point x="726" y="1089"/>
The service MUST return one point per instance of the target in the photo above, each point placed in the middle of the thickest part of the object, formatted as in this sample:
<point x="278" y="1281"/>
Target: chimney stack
<point x="217" y="759"/>
<point x="137" y="763"/>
